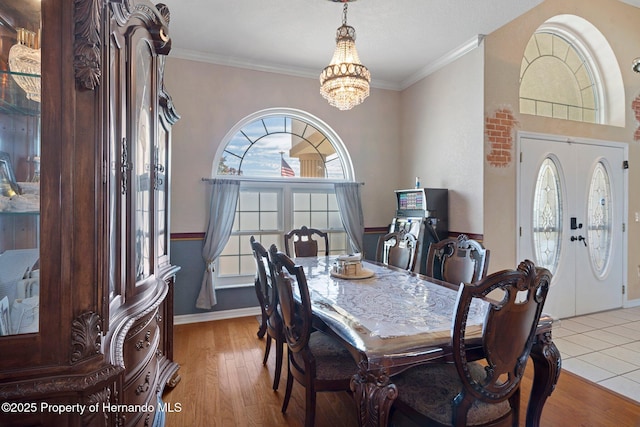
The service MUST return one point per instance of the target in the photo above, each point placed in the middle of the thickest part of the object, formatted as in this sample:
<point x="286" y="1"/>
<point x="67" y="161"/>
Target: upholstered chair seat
<point x="430" y="390"/>
<point x="333" y="361"/>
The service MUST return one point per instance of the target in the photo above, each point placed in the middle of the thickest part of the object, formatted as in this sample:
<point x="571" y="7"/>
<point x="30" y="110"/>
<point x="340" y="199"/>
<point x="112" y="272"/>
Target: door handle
<point x="579" y="239"/>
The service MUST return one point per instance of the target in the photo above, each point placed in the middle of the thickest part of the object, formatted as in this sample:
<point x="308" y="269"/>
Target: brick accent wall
<point x="635" y="106"/>
<point x="498" y="130"/>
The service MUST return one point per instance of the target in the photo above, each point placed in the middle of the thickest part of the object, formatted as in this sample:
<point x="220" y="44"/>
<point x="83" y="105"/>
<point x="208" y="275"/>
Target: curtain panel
<point x="350" y="205"/>
<point x="222" y="211"/>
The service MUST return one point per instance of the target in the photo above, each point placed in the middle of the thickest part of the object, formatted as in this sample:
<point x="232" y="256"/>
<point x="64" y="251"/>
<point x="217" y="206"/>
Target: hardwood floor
<point x="225" y="384"/>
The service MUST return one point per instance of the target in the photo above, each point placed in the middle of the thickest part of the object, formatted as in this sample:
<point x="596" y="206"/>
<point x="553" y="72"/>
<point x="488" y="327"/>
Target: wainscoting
<point x="186" y="252"/>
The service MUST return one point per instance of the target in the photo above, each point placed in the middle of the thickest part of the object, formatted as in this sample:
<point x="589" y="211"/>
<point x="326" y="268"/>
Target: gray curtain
<point x="222" y="211"/>
<point x="350" y="205"/>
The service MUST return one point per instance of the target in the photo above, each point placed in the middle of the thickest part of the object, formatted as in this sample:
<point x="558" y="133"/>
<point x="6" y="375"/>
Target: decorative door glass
<point x="143" y="161"/>
<point x="599" y="219"/>
<point x="118" y="161"/>
<point x="20" y="158"/>
<point x="547" y="216"/>
<point x="161" y="191"/>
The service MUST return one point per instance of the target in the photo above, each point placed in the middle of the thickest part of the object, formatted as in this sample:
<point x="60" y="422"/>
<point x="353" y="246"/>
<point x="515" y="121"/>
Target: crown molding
<point x="448" y="58"/>
<point x="211" y="58"/>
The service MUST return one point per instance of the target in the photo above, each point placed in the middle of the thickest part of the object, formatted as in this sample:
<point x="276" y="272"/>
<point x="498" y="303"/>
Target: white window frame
<point x="285" y="190"/>
<point x="286" y="186"/>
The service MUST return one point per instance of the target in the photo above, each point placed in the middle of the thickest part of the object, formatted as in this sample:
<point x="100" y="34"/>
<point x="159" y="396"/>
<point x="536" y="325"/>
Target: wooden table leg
<point x="374" y="394"/>
<point x="547" y="365"/>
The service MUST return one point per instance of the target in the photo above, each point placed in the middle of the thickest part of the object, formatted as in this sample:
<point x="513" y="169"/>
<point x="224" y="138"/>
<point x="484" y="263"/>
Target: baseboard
<point x="631" y="303"/>
<point x="215" y="315"/>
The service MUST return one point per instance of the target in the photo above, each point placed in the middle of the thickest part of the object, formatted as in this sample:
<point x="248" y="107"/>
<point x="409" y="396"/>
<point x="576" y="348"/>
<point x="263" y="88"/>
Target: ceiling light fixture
<point x="345" y="81"/>
<point x="24" y="62"/>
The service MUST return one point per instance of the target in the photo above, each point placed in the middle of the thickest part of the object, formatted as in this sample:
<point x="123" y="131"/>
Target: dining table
<point x="392" y="319"/>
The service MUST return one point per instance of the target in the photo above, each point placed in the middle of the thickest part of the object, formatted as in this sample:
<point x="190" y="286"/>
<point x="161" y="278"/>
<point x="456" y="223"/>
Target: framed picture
<point x="8" y="185"/>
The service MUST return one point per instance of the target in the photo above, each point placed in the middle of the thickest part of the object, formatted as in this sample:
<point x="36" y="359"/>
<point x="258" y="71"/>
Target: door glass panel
<point x="547" y="216"/>
<point x="20" y="159"/>
<point x="161" y="187"/>
<point x="116" y="192"/>
<point x="143" y="159"/>
<point x="599" y="219"/>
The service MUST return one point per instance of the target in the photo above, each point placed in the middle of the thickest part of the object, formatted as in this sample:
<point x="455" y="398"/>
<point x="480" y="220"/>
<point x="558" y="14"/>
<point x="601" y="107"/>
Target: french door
<point x="571" y="216"/>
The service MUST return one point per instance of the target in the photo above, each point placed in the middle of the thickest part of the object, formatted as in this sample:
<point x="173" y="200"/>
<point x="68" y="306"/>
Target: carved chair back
<point x="304" y="244"/>
<point x="397" y="249"/>
<point x="482" y="385"/>
<point x="267" y="294"/>
<point x="296" y="316"/>
<point x="508" y="335"/>
<point x="317" y="359"/>
<point x="459" y="260"/>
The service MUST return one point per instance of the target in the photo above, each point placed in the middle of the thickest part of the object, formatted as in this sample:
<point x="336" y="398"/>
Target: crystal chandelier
<point x="24" y="63"/>
<point x="345" y="81"/>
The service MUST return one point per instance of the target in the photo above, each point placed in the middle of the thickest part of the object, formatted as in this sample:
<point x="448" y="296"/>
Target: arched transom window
<point x="570" y="72"/>
<point x="556" y="80"/>
<point x="284" y="143"/>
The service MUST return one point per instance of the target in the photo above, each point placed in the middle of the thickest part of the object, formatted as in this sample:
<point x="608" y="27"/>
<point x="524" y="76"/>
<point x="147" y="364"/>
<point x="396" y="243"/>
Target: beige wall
<point x="442" y="143"/>
<point x="504" y="48"/>
<point x="211" y="99"/>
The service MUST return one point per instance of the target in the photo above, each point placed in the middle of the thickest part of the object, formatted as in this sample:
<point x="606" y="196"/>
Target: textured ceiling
<point x="399" y="41"/>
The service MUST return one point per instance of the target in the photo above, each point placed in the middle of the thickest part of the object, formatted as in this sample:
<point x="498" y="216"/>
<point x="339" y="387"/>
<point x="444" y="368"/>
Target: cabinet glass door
<point x="161" y="167"/>
<point x="143" y="160"/>
<point x="118" y="160"/>
<point x="19" y="166"/>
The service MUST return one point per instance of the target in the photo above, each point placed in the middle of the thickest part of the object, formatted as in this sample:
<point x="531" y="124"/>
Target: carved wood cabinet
<point x="86" y="281"/>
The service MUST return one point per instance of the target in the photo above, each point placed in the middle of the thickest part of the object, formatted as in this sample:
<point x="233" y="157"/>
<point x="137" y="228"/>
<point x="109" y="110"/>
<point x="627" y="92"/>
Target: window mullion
<point x="287" y="211"/>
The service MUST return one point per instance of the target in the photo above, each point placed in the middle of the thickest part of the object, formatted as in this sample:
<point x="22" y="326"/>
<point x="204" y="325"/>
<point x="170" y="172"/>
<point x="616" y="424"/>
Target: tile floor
<point x="604" y="348"/>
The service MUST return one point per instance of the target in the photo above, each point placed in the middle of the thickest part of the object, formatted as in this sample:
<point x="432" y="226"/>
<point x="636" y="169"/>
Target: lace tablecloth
<point x="391" y="314"/>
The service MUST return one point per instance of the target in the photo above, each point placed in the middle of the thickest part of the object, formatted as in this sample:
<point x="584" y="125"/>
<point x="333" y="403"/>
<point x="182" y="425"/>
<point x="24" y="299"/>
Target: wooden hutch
<point x="86" y="283"/>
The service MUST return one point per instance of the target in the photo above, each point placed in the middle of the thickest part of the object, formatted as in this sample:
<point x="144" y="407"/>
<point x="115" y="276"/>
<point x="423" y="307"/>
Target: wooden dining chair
<point x="271" y="323"/>
<point x="397" y="249"/>
<point x="304" y="244"/>
<point x="317" y="359"/>
<point x="459" y="260"/>
<point x="485" y="391"/>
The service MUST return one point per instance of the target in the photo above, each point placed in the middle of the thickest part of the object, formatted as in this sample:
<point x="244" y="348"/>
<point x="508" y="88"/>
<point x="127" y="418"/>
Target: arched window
<point x="288" y="162"/>
<point x="262" y="144"/>
<point x="562" y="74"/>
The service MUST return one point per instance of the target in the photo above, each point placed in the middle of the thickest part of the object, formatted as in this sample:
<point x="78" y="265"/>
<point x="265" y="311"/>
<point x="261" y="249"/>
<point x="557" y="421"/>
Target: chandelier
<point x="24" y="63"/>
<point x="345" y="81"/>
